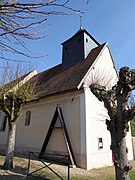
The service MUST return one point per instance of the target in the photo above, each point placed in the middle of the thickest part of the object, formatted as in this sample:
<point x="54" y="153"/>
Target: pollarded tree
<point x="116" y="102"/>
<point x="12" y="96"/>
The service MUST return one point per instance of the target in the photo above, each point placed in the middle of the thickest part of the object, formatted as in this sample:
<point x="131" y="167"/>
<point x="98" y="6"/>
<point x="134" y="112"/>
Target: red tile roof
<point x="57" y="80"/>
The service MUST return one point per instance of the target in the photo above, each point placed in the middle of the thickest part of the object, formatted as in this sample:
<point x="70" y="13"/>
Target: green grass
<point x="133" y="133"/>
<point x="132" y="175"/>
<point x="108" y="177"/>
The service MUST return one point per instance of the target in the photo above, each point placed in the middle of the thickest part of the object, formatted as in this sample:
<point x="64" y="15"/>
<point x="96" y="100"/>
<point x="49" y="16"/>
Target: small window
<point x="3" y="121"/>
<point x="27" y="118"/>
<point x="65" y="48"/>
<point x="100" y="143"/>
<point x="86" y="40"/>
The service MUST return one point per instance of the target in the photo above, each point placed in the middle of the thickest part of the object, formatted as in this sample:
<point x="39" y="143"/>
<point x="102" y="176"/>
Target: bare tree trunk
<point x="121" y="138"/>
<point x="121" y="161"/>
<point x="8" y="164"/>
<point x="115" y="151"/>
<point x="124" y="165"/>
<point x="118" y="130"/>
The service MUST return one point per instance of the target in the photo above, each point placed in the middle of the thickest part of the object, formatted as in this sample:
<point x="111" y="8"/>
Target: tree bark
<point x="121" y="132"/>
<point x="115" y="151"/>
<point x="8" y="164"/>
<point x="121" y="164"/>
<point x="123" y="160"/>
<point x="118" y="130"/>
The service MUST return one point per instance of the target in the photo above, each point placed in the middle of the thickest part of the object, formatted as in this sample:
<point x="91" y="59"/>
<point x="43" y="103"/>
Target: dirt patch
<point x="20" y="171"/>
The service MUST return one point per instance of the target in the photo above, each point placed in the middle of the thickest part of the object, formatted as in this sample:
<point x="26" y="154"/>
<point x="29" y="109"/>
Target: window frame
<point x="27" y="118"/>
<point x="3" y="121"/>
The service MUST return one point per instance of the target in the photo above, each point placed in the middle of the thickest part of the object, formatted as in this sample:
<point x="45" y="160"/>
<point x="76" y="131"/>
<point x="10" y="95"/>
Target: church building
<point x="63" y="95"/>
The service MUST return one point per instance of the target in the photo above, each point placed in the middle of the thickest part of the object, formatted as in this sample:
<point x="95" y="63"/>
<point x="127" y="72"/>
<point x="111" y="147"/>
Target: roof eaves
<point x="80" y="31"/>
<point x="112" y="60"/>
<point x="92" y="37"/>
<point x="58" y="93"/>
<point x="82" y="81"/>
<point x="20" y="80"/>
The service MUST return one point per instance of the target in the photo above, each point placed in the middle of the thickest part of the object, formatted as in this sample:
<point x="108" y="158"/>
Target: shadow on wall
<point x="133" y="144"/>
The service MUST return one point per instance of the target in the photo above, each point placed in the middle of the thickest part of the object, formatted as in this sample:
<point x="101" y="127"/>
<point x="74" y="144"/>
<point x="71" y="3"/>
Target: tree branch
<point x="108" y="97"/>
<point x="22" y="20"/>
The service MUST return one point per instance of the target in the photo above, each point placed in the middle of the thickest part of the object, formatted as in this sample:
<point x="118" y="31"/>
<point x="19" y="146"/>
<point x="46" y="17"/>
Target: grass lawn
<point x="20" y="171"/>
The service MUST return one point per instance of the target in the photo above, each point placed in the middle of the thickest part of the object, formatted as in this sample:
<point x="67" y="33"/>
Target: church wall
<point x="32" y="137"/>
<point x="98" y="139"/>
<point x="102" y="72"/>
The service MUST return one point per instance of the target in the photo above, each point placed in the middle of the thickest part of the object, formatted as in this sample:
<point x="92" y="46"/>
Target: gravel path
<point x="20" y="171"/>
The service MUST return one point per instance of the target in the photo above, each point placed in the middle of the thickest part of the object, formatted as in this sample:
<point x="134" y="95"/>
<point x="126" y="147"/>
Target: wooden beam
<point x="58" y="113"/>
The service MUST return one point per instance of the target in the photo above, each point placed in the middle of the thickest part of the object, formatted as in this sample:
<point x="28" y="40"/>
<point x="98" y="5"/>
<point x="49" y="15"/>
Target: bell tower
<point x="77" y="48"/>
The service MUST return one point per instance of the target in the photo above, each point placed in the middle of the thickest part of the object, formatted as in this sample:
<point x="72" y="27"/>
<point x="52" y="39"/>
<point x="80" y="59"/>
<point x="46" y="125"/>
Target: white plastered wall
<point x="83" y="148"/>
<point x="96" y="115"/>
<point x="102" y="72"/>
<point x="32" y="137"/>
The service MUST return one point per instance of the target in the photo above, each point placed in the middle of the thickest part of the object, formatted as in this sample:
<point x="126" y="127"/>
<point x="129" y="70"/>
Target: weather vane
<point x="80" y="22"/>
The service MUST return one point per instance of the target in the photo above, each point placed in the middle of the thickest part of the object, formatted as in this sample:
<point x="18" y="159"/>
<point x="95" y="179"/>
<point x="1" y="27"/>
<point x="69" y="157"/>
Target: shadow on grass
<point x="19" y="173"/>
<point x="20" y="170"/>
<point x="20" y="177"/>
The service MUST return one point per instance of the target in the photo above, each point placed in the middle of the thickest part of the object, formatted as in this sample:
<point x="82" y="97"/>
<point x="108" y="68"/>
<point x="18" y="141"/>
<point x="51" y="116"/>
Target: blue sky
<point x="106" y="20"/>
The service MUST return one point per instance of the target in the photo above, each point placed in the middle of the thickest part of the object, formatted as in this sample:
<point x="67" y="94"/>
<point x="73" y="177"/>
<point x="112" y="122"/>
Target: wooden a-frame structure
<point x="58" y="113"/>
